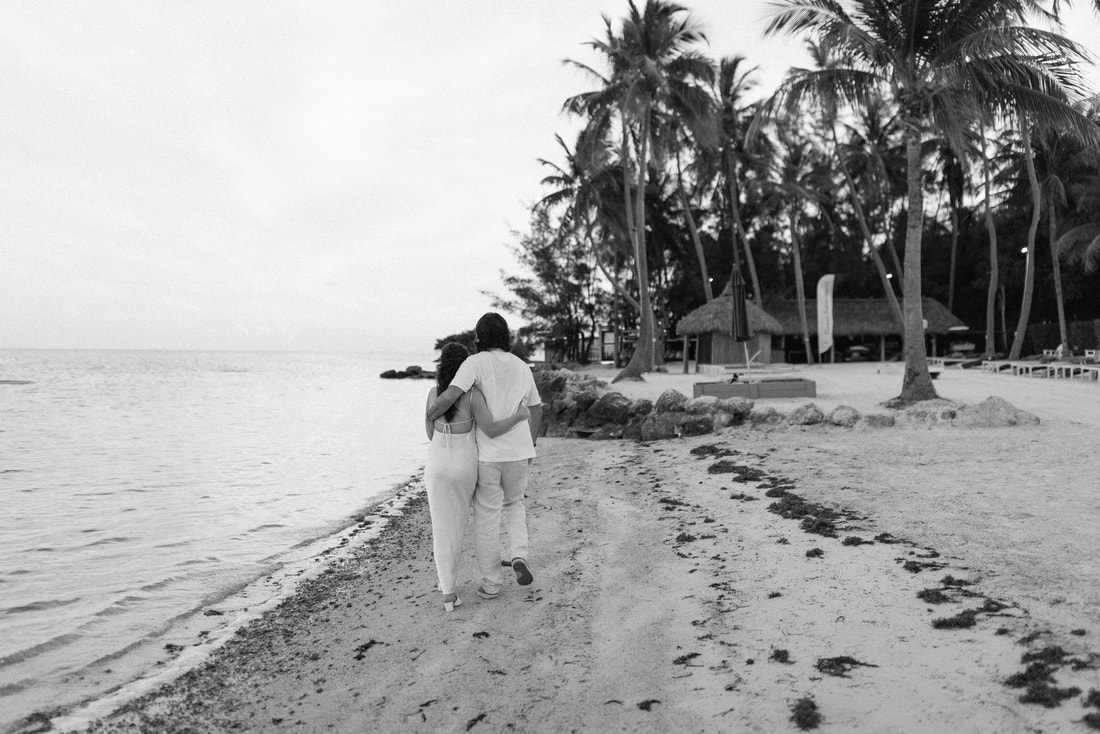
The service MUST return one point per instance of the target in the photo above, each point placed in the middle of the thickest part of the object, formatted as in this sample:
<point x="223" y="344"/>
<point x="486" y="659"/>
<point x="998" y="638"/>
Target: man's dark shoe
<point x="523" y="574"/>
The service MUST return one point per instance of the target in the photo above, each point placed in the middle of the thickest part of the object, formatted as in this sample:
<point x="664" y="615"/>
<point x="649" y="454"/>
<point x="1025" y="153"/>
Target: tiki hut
<point x="857" y="322"/>
<point x="712" y="326"/>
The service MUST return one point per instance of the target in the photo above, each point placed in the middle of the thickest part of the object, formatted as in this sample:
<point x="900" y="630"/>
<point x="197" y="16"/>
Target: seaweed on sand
<point x="1047" y="695"/>
<point x="1034" y="673"/>
<point x="713" y="450"/>
<point x="804" y="714"/>
<point x="780" y="655"/>
<point x="962" y="620"/>
<point x="839" y="666"/>
<point x="933" y="596"/>
<point x="740" y="472"/>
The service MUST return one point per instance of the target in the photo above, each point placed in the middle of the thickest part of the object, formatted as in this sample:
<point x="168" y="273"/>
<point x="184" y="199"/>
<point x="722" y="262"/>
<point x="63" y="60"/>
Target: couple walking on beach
<point x="476" y="457"/>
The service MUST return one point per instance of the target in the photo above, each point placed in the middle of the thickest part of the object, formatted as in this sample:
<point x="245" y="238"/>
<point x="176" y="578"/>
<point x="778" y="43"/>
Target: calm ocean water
<point x="139" y="487"/>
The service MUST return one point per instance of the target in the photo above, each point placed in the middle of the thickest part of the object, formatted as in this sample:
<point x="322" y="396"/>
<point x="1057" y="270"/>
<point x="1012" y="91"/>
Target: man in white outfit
<point x="503" y="462"/>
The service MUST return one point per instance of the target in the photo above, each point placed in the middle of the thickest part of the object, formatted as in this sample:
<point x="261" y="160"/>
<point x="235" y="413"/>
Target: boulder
<point x="991" y="413"/>
<point x="806" y="415"/>
<point x="694" y="424"/>
<point x="413" y="370"/>
<point x="723" y="419"/>
<point x="766" y="416"/>
<point x="929" y="412"/>
<point x="657" y="427"/>
<point x="670" y="401"/>
<point x="642" y="407"/>
<point x="876" y="420"/>
<point x="738" y="406"/>
<point x="611" y="407"/>
<point x="606" y="433"/>
<point x="632" y="431"/>
<point x="844" y="415"/>
<point x="701" y="405"/>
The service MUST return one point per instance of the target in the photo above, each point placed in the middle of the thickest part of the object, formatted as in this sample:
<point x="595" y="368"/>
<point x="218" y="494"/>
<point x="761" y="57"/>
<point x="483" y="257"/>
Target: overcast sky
<point x="336" y="176"/>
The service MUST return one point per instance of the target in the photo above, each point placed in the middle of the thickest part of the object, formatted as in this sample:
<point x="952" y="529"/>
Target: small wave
<point x="11" y="471"/>
<point x="157" y="585"/>
<point x="267" y="526"/>
<point x="35" y="650"/>
<point x="119" y="607"/>
<point x="16" y="382"/>
<point x="39" y="606"/>
<point x="107" y="541"/>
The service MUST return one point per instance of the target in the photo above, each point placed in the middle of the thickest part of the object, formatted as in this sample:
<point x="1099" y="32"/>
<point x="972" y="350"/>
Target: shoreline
<point x="659" y="582"/>
<point x="194" y="636"/>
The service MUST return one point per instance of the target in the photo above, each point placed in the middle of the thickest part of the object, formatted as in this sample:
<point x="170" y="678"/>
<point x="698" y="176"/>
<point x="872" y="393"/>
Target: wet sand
<point x="669" y="597"/>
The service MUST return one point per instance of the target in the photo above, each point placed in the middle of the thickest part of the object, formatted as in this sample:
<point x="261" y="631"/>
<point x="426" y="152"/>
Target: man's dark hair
<point x="492" y="333"/>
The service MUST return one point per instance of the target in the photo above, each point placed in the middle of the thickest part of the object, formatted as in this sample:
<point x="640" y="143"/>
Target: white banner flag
<point x="825" y="313"/>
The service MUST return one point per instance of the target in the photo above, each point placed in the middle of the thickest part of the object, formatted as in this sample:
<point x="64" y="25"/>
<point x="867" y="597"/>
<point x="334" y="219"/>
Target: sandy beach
<point x="747" y="581"/>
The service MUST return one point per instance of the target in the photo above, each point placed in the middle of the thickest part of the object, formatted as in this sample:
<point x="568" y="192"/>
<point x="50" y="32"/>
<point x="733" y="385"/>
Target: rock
<point x="657" y="427"/>
<point x="632" y="431"/>
<point x="844" y="415"/>
<point x="701" y="405"/>
<point x="929" y="412"/>
<point x="642" y="407"/>
<point x="723" y="419"/>
<point x="806" y="415"/>
<point x="670" y="401"/>
<point x="413" y="370"/>
<point x="876" y="420"/>
<point x="392" y="375"/>
<point x="607" y="432"/>
<point x="991" y="413"/>
<point x="738" y="406"/>
<point x="611" y="407"/>
<point x="585" y="399"/>
<point x="696" y="425"/>
<point x="766" y="416"/>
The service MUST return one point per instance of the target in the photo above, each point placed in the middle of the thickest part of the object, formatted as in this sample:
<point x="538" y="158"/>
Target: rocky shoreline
<point x="581" y="406"/>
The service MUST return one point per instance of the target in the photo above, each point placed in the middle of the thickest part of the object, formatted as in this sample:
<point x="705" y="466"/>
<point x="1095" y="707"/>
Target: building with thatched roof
<point x="866" y="322"/>
<point x="712" y="326"/>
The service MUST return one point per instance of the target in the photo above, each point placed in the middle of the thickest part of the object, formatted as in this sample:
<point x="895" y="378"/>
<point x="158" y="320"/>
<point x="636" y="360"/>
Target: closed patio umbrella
<point x="741" y="331"/>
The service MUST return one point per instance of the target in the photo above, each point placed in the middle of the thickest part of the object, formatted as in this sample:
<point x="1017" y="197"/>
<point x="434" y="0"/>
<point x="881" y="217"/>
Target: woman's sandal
<point x="450" y="604"/>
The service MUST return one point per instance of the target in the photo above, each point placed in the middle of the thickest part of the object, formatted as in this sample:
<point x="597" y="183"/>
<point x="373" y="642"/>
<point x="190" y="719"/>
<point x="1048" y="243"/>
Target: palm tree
<point x="823" y="59"/>
<point x="944" y="61"/>
<point x="1032" y="230"/>
<point x="653" y="70"/>
<point x="796" y="180"/>
<point x="732" y="83"/>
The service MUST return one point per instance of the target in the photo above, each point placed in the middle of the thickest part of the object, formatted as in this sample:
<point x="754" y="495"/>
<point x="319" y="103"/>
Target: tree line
<point x="972" y="113"/>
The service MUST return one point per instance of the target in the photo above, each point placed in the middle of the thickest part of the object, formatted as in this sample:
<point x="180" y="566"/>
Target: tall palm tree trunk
<point x="1057" y="271"/>
<point x="1032" y="230"/>
<point x="994" y="267"/>
<point x="917" y="383"/>
<point x="865" y="230"/>
<point x="642" y="359"/>
<point x="686" y="205"/>
<point x="954" y="257"/>
<point x="800" y="288"/>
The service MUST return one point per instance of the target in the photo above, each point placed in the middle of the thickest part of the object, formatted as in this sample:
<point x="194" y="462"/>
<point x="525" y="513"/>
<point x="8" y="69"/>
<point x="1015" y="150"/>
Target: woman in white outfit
<point x="451" y="471"/>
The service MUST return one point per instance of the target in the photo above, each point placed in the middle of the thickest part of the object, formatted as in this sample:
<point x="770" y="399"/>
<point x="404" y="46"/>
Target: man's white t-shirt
<point x="506" y="381"/>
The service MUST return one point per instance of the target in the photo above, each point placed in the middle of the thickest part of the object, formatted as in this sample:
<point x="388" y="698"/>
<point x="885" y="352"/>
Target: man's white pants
<point x="501" y="487"/>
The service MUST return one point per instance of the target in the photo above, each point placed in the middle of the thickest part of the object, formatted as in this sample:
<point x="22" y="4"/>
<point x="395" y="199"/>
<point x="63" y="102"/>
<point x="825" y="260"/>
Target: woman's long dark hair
<point x="452" y="355"/>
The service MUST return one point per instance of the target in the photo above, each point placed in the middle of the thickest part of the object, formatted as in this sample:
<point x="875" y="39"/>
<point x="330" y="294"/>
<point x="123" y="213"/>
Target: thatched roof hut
<point x="856" y="317"/>
<point x="716" y="317"/>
